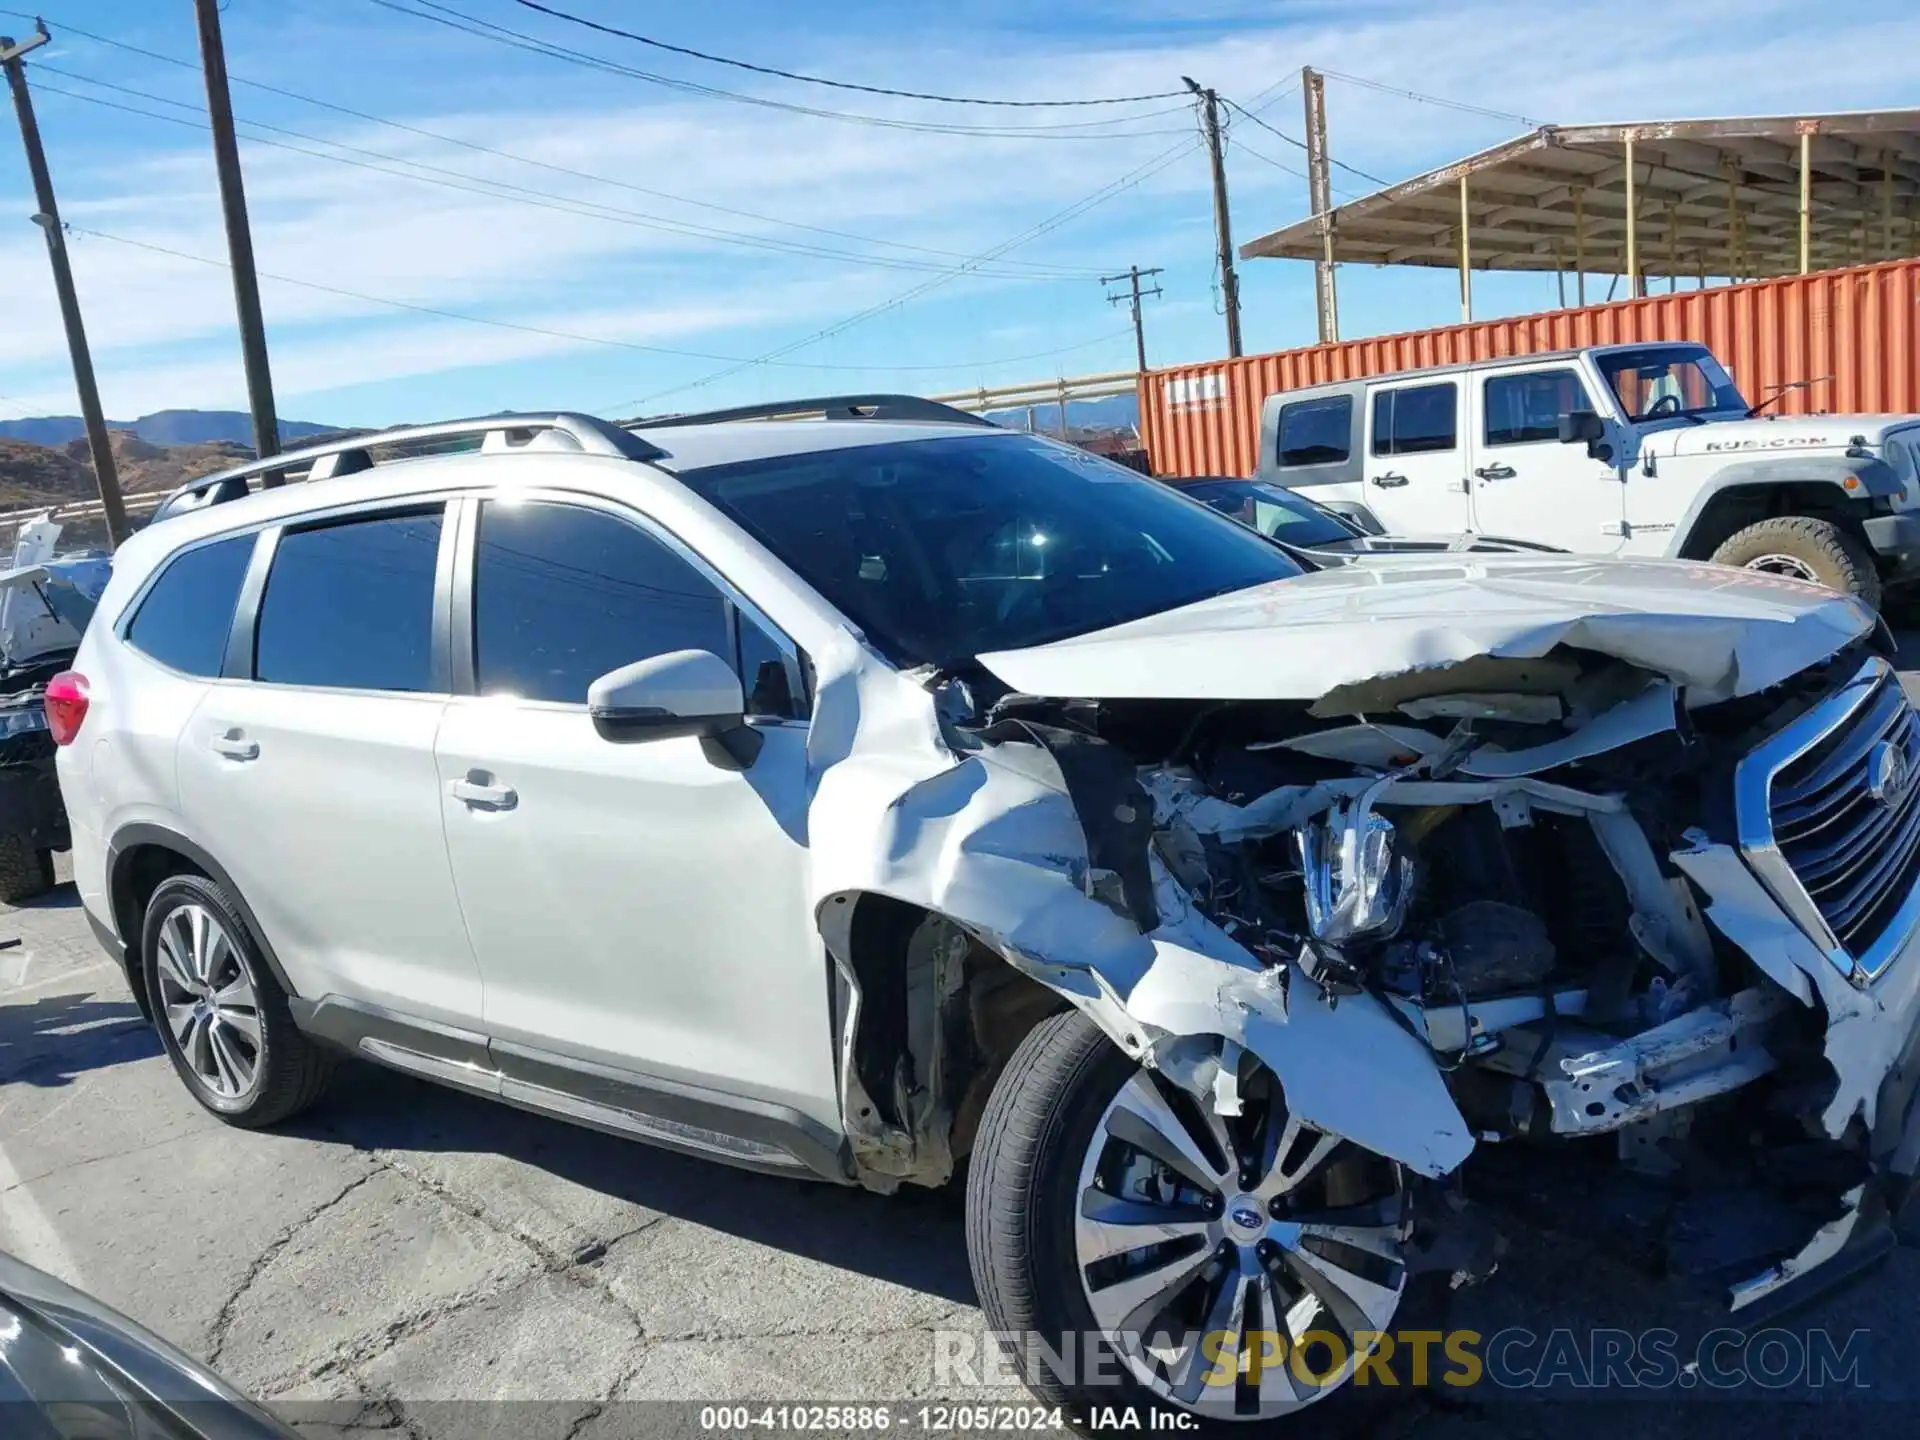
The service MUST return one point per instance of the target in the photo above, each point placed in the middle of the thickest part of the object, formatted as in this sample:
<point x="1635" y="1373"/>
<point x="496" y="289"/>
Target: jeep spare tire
<point x="1805" y="548"/>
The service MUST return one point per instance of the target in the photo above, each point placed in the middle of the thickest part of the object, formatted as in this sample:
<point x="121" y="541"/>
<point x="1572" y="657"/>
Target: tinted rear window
<point x="1316" y="432"/>
<point x="1416" y="420"/>
<point x="184" y="620"/>
<point x="352" y="606"/>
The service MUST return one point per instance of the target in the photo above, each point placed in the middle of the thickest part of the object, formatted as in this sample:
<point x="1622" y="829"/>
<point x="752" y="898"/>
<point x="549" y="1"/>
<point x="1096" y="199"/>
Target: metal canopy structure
<point x="1735" y="198"/>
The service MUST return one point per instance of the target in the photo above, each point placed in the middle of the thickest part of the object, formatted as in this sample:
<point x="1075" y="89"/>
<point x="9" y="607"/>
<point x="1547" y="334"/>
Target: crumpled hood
<point x="1720" y="631"/>
<point x="1767" y="436"/>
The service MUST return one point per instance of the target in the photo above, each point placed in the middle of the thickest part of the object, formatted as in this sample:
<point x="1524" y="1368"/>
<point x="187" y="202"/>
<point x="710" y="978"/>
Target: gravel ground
<point x="411" y="1260"/>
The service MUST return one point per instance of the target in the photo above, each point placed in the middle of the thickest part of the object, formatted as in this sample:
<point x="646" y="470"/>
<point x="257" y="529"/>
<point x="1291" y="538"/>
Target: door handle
<point x="478" y="790"/>
<point x="1389" y="481"/>
<point x="235" y="746"/>
<point x="1495" y="472"/>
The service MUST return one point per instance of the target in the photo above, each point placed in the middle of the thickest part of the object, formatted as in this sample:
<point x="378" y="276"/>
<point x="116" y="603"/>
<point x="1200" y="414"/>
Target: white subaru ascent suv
<point x="882" y="795"/>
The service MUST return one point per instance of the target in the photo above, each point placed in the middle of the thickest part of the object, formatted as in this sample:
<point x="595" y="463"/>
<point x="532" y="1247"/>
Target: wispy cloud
<point x="162" y="327"/>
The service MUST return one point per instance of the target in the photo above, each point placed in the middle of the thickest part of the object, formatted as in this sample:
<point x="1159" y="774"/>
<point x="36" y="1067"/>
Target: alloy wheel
<point x="209" y="1001"/>
<point x="1790" y="565"/>
<point x="1189" y="1224"/>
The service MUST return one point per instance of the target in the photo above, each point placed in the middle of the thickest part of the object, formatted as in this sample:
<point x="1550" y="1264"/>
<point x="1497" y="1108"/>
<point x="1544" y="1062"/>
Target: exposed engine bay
<point x="1507" y="902"/>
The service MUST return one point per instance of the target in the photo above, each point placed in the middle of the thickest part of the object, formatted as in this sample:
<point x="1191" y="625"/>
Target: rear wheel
<point x="25" y="873"/>
<point x="1805" y="548"/>
<point x="222" y="1018"/>
<point x="1233" y="1269"/>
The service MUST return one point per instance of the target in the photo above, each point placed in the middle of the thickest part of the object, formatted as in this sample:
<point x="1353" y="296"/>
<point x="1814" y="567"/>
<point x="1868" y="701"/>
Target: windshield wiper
<point x="1779" y="390"/>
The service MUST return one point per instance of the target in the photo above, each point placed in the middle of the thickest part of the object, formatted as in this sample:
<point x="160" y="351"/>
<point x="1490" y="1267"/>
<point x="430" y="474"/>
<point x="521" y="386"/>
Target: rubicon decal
<point x="1778" y="442"/>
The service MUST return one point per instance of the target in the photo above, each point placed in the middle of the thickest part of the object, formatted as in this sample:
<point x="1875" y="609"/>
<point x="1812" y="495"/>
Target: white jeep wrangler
<point x="1613" y="450"/>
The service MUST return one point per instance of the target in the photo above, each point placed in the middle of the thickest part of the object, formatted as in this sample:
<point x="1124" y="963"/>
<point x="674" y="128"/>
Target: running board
<point x="619" y="1102"/>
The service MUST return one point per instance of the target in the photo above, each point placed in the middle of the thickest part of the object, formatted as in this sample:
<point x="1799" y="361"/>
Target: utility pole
<point x="1313" y="87"/>
<point x="1222" y="224"/>
<point x="233" y="204"/>
<point x="1134" y="274"/>
<point x="47" y="216"/>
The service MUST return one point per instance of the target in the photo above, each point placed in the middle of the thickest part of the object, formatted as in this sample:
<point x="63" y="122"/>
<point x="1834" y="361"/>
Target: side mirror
<point x="681" y="693"/>
<point x="1577" y="426"/>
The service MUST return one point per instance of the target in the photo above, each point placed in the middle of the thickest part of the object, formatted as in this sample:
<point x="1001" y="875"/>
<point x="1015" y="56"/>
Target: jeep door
<point x="1416" y="466"/>
<point x="1525" y="483"/>
<point x="637" y="905"/>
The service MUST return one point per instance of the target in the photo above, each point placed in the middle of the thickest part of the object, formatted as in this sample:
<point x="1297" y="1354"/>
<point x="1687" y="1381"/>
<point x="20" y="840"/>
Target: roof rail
<point x="584" y="434"/>
<point x="825" y="407"/>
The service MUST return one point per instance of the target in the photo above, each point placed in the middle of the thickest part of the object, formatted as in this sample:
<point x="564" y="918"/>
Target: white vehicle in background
<point x="1630" y="450"/>
<point x="1327" y="535"/>
<point x="872" y="796"/>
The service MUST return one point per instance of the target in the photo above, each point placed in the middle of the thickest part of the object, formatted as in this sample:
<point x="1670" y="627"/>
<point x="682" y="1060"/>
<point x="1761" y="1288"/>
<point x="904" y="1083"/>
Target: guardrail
<point x="1036" y="394"/>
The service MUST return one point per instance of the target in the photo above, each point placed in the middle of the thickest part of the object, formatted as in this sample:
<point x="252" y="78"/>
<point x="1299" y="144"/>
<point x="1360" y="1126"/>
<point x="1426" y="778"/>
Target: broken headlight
<point x="1357" y="882"/>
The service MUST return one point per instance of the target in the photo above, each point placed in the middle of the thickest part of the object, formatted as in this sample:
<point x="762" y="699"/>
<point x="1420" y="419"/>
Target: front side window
<point x="351" y="605"/>
<point x="1525" y="408"/>
<point x="945" y="548"/>
<point x="184" y="620"/>
<point x="1661" y="381"/>
<point x="1417" y="420"/>
<point x="1316" y="432"/>
<point x="563" y="594"/>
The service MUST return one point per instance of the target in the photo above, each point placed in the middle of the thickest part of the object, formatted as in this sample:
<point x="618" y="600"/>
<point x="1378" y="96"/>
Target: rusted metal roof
<point x="1711" y="198"/>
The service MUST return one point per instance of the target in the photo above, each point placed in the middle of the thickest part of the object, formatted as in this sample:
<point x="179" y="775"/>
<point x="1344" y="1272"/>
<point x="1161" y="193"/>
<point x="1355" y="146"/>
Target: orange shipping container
<point x="1859" y="326"/>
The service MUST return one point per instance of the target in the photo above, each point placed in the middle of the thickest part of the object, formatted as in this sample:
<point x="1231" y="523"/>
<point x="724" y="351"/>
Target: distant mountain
<point x="1113" y="412"/>
<point x="163" y="427"/>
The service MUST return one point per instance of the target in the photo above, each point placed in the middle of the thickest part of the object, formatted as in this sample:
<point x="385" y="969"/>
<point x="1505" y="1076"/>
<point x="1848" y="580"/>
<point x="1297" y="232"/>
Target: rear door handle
<point x="1390" y="480"/>
<point x="479" y="791"/>
<point x="1495" y="472"/>
<point x="235" y="746"/>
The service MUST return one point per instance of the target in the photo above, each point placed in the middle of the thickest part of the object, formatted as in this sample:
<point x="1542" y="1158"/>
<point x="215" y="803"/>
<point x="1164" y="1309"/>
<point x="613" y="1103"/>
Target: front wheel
<point x="1805" y="548"/>
<point x="1143" y="1250"/>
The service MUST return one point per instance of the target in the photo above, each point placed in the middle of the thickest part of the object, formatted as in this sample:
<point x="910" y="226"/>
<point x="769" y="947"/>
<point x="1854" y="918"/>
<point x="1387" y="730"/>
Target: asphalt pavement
<point x="409" y="1260"/>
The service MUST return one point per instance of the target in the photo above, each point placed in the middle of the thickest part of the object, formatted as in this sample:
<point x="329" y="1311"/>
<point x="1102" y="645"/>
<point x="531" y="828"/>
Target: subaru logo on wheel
<point x="1888" y="773"/>
<point x="1247" y="1218"/>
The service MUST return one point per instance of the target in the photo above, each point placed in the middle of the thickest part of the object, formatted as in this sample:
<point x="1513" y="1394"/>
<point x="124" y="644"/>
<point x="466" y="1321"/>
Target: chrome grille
<point x="1841" y="853"/>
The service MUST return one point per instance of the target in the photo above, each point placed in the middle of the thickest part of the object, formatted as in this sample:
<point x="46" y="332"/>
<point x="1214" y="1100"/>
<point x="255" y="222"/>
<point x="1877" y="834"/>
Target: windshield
<point x="1274" y="511"/>
<point x="945" y="548"/>
<point x="1658" y="382"/>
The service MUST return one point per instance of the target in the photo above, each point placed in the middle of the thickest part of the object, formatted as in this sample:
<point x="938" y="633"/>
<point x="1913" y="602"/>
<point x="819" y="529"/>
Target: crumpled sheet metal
<point x="1867" y="1029"/>
<point x="985" y="839"/>
<point x="1721" y="632"/>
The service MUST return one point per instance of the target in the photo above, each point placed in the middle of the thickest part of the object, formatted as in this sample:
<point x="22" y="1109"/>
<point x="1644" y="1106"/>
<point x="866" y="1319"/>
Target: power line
<point x="1302" y="145"/>
<point x="518" y="159"/>
<point x="571" y="335"/>
<point x="1439" y="100"/>
<point x="1243" y="148"/>
<point x="559" y="14"/>
<point x="467" y="24"/>
<point x="1052" y="222"/>
<point x="521" y="194"/>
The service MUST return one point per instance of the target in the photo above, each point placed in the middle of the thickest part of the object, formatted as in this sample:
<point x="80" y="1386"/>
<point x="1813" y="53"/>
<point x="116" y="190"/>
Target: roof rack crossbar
<point x="347" y="456"/>
<point x="829" y="407"/>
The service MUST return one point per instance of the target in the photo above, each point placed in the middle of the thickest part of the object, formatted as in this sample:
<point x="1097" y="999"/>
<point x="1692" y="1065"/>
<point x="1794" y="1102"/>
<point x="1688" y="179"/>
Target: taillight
<point x="66" y="702"/>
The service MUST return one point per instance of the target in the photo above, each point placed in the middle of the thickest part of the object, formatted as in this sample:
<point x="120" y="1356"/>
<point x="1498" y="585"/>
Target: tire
<point x="25" y="873"/>
<point x="1808" y="549"/>
<point x="212" y="995"/>
<point x="1036" y="1146"/>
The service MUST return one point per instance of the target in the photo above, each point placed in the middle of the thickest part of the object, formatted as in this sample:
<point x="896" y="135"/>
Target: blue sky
<point x="660" y="217"/>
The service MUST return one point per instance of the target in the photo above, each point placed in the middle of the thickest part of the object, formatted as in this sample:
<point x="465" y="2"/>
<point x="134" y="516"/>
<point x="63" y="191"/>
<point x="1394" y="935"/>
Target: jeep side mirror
<point x="1581" y="425"/>
<point x="684" y="692"/>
